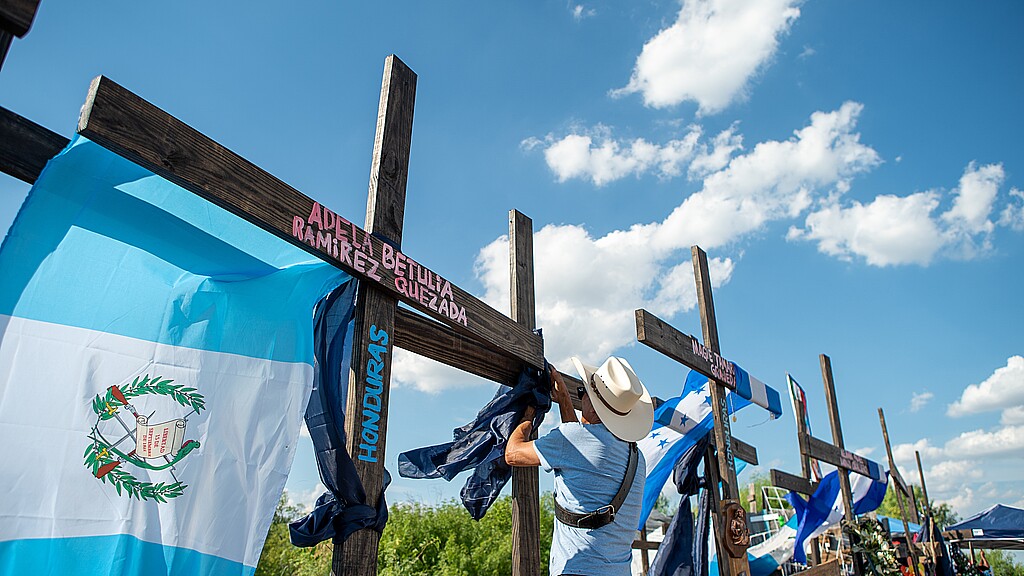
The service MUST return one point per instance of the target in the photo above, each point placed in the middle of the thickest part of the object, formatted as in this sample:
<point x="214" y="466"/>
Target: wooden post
<point x="805" y="469"/>
<point x="369" y="379"/>
<point x="837" y="440"/>
<point x="525" y="480"/>
<point x="16" y="18"/>
<point x="933" y="550"/>
<point x="729" y="510"/>
<point x="899" y="495"/>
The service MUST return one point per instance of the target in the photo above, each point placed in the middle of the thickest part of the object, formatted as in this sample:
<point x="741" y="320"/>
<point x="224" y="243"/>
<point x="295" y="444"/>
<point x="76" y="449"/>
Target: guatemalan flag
<point x="678" y="424"/>
<point x="156" y="358"/>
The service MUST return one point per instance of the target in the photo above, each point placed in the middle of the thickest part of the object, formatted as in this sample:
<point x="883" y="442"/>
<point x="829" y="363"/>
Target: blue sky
<point x="853" y="170"/>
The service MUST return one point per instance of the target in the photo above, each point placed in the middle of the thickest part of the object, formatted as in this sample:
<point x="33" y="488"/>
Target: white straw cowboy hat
<point x="619" y="398"/>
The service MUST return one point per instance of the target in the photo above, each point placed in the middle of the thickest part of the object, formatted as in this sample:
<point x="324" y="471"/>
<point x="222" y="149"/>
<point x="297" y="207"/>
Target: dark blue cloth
<point x="343" y="509"/>
<point x="678" y="551"/>
<point x="481" y="443"/>
<point x="929" y="532"/>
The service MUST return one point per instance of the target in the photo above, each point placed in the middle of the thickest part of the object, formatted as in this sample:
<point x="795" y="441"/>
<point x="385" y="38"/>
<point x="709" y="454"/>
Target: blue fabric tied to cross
<point x="481" y="443"/>
<point x="341" y="510"/>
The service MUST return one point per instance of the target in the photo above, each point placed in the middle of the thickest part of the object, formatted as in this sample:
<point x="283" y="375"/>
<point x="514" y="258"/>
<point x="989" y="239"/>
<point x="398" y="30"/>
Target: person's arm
<point x="560" y="394"/>
<point x="519" y="450"/>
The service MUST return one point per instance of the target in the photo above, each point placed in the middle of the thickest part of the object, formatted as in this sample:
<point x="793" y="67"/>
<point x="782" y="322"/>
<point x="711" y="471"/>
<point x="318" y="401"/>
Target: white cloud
<point x="1014" y="415"/>
<point x="1002" y="390"/>
<point x="594" y="155"/>
<point x="864" y="451"/>
<point x="418" y="372"/>
<point x="579" y="12"/>
<point x="888" y="231"/>
<point x="710" y="53"/>
<point x="968" y="225"/>
<point x="776" y="180"/>
<point x="897" y="230"/>
<point x="1005" y="441"/>
<point x="717" y="157"/>
<point x="920" y="400"/>
<point x="1013" y="214"/>
<point x="305" y="500"/>
<point x="587" y="288"/>
<point x="950" y="475"/>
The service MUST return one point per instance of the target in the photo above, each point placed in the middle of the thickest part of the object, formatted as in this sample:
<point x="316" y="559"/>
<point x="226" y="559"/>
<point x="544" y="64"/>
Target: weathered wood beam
<point x="431" y="339"/>
<point x="26" y="147"/>
<point x="683" y="348"/>
<point x="369" y="383"/>
<point x="525" y="480"/>
<point x="744" y="451"/>
<point x="16" y="16"/>
<point x="827" y="569"/>
<point x="792" y="482"/>
<point x="841" y="458"/>
<point x="132" y="127"/>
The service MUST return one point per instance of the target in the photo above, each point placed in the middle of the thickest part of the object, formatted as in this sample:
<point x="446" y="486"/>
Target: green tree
<point x="1003" y="564"/>
<point x="281" y="558"/>
<point x="943" y="514"/>
<point x="758" y="481"/>
<point x="418" y="540"/>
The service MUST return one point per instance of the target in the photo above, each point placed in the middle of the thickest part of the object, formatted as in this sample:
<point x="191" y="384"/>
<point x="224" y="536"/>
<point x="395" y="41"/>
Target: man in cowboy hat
<point x="599" y="473"/>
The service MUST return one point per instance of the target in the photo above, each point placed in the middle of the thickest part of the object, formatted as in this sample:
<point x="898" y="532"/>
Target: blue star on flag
<point x="661" y="444"/>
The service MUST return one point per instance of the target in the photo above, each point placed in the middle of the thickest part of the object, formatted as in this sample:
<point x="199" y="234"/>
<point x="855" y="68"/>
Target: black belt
<point x="605" y="514"/>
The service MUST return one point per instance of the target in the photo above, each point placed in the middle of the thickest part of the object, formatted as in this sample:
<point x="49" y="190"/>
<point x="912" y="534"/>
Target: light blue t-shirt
<point x="589" y="464"/>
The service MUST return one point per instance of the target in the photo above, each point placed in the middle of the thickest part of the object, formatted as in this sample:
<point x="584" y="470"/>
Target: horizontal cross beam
<point x="135" y="129"/>
<point x="687" y="350"/>
<point x="840" y="457"/>
<point x="683" y="348"/>
<point x="792" y="482"/>
<point x="26" y="147"/>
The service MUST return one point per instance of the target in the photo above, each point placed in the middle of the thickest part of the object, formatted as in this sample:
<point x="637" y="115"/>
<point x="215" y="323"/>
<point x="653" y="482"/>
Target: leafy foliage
<point x="943" y="514"/>
<point x="419" y="540"/>
<point x="869" y="539"/>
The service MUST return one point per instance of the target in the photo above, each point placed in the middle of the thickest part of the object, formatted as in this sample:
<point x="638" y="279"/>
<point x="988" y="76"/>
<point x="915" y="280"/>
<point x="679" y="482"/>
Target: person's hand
<point x="529" y="413"/>
<point x="560" y="393"/>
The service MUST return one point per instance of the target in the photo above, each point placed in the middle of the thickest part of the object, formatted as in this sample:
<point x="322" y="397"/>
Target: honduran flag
<point x="678" y="424"/>
<point x="825" y="507"/>
<point x="810" y="521"/>
<point x="155" y="362"/>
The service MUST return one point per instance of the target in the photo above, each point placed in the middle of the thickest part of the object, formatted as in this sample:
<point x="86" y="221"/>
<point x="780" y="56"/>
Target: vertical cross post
<point x="899" y="495"/>
<point x="805" y="468"/>
<point x="932" y="548"/>
<point x="525" y="480"/>
<point x="16" y="18"/>
<point x="837" y="440"/>
<point x="366" y="414"/>
<point x="734" y="562"/>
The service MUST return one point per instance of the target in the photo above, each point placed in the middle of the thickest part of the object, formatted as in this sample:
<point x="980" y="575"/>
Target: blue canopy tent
<point x="998" y="528"/>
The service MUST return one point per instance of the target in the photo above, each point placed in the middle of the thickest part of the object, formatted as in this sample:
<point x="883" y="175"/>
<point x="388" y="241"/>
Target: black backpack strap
<point x="605" y="514"/>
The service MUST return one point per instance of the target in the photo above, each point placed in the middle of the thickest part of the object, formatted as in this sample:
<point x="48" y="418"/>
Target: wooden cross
<point x="16" y="18"/>
<point x="902" y="490"/>
<point x="731" y="528"/>
<point x="465" y="333"/>
<point x="835" y="454"/>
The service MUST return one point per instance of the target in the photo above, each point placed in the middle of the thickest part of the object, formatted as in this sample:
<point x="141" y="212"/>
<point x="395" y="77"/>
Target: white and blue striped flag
<point x="678" y="424"/>
<point x="155" y="363"/>
<point x="766" y="557"/>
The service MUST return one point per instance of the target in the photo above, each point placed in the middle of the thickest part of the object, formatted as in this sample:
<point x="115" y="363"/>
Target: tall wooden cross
<point x="452" y="326"/>
<point x="731" y="527"/>
<point x="16" y="18"/>
<point x="835" y="453"/>
<point x="802" y="484"/>
<point x="902" y="491"/>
